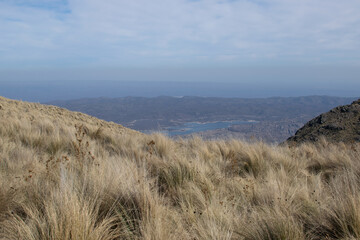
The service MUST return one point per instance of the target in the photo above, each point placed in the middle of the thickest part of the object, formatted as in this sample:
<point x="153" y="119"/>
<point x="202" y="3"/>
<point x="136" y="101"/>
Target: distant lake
<point x="194" y="127"/>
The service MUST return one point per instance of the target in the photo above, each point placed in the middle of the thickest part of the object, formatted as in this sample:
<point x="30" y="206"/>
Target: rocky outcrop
<point x="341" y="124"/>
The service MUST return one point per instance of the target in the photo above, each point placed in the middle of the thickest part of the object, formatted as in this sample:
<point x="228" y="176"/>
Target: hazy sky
<point x="76" y="40"/>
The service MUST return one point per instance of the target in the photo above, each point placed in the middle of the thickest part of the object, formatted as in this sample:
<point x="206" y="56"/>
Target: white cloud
<point x="147" y="33"/>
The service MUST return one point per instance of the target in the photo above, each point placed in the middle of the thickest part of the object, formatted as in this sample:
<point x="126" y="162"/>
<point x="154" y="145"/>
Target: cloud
<point x="141" y="33"/>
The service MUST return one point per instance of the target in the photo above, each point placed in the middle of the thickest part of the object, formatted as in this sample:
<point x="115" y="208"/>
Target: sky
<point x="259" y="42"/>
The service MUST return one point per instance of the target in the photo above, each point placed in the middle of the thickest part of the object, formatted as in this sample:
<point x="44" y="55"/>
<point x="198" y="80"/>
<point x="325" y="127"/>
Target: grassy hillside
<point x="66" y="175"/>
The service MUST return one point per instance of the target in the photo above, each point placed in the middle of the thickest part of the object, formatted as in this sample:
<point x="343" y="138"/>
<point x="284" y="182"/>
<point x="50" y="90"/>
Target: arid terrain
<point x="66" y="175"/>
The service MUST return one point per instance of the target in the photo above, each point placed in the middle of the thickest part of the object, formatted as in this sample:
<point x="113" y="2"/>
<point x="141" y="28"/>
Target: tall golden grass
<point x="66" y="175"/>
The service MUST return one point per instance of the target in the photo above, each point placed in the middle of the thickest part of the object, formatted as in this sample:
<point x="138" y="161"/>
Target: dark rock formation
<point x="341" y="124"/>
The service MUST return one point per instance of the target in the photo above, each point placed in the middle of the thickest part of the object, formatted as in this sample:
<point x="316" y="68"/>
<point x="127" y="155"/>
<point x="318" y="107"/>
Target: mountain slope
<point x="341" y="124"/>
<point x="66" y="175"/>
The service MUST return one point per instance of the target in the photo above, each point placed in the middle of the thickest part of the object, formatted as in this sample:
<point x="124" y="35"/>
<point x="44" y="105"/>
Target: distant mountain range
<point x="276" y="118"/>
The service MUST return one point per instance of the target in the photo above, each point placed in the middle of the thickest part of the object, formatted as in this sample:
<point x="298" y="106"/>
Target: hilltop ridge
<point x="12" y="110"/>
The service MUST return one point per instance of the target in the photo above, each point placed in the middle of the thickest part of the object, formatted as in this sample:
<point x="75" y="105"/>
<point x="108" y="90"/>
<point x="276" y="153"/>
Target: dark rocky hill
<point x="341" y="124"/>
